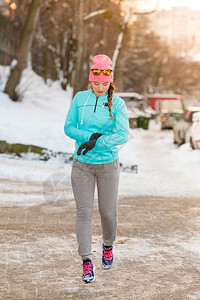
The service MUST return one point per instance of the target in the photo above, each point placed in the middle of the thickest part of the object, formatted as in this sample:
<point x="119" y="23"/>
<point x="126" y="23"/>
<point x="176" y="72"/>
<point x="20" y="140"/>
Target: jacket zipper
<point x="95" y="104"/>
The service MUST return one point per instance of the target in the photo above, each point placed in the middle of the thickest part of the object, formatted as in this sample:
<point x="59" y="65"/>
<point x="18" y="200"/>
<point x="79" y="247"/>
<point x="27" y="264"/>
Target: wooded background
<point x="58" y="38"/>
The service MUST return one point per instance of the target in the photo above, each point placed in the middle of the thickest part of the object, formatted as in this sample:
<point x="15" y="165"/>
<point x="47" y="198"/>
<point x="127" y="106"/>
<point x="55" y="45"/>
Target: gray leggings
<point x="83" y="179"/>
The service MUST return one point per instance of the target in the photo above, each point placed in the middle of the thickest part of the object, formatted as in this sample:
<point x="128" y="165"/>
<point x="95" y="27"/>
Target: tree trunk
<point x="23" y="49"/>
<point x="80" y="48"/>
<point x="82" y="40"/>
<point x="127" y="18"/>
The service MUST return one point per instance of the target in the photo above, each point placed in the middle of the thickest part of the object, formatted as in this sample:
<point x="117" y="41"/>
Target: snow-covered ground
<point x="163" y="169"/>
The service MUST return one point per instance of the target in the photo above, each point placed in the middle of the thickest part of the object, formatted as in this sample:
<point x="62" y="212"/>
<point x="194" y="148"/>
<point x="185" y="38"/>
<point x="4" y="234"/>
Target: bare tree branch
<point x="126" y="20"/>
<point x="94" y="13"/>
<point x="144" y="12"/>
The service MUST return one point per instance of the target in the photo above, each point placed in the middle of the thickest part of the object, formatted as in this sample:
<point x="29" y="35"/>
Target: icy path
<point x="156" y="253"/>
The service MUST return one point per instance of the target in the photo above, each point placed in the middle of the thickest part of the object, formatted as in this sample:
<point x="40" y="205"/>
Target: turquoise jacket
<point x="89" y="114"/>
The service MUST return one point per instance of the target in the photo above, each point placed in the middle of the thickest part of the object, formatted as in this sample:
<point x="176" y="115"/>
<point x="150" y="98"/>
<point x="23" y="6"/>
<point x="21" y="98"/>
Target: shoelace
<point x="87" y="269"/>
<point x="107" y="254"/>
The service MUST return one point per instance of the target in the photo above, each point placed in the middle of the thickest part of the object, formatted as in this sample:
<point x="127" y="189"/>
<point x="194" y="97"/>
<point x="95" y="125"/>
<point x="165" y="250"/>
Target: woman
<point x="97" y="120"/>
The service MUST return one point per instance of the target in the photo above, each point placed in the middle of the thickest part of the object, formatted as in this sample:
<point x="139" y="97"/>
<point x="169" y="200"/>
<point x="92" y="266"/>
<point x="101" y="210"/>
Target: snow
<point x="39" y="118"/>
<point x="196" y="57"/>
<point x="163" y="168"/>
<point x="130" y="95"/>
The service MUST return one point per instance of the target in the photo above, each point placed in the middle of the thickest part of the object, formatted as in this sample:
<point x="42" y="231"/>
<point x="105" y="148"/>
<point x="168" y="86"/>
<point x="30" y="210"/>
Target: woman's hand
<point x="95" y="136"/>
<point x="87" y="146"/>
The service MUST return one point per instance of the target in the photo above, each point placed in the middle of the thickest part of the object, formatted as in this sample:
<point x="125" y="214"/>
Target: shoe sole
<point x="106" y="267"/>
<point x="89" y="281"/>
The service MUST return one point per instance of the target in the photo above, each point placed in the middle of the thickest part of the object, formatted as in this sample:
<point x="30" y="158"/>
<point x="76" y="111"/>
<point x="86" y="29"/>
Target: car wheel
<point x="191" y="144"/>
<point x="174" y="135"/>
<point x="181" y="140"/>
<point x="163" y="127"/>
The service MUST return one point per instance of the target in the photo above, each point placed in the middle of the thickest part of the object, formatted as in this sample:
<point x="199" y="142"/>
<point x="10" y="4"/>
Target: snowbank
<point x="39" y="118"/>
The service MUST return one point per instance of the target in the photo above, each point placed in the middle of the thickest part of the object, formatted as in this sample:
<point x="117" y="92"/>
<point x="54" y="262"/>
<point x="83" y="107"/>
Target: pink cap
<point x="101" y="62"/>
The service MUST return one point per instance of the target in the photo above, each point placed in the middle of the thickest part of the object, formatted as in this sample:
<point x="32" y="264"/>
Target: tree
<point x="143" y="59"/>
<point x="146" y="64"/>
<point x="82" y="40"/>
<point x="69" y="33"/>
<point x="23" y="49"/>
<point x="127" y="17"/>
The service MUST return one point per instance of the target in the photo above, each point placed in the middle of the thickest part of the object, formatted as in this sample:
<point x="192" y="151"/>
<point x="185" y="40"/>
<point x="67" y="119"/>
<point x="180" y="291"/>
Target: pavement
<point x="156" y="253"/>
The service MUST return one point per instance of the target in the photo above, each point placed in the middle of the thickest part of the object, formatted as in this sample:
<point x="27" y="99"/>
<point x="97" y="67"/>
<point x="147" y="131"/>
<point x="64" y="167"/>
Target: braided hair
<point x="110" y="95"/>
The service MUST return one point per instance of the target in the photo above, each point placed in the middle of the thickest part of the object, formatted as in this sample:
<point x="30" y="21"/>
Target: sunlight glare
<point x="192" y="4"/>
<point x="6" y="13"/>
<point x="167" y="4"/>
<point x="13" y="6"/>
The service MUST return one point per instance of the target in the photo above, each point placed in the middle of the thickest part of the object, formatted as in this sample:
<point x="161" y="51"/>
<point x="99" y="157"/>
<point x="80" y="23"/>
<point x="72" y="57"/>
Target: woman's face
<point x="100" y="88"/>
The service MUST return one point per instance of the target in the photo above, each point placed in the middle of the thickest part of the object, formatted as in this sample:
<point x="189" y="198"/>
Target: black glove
<point x="87" y="146"/>
<point x="95" y="136"/>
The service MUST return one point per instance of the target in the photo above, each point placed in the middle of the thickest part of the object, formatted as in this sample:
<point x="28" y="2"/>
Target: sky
<point x="167" y="4"/>
<point x="193" y="4"/>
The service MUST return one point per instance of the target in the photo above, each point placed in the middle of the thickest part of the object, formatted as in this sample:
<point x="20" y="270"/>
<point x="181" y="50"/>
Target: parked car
<point x="195" y="131"/>
<point x="170" y="112"/>
<point x="182" y="127"/>
<point x="138" y="111"/>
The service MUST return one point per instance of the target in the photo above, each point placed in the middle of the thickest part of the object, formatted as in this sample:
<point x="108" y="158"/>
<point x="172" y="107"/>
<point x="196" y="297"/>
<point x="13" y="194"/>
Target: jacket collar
<point x="103" y="97"/>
